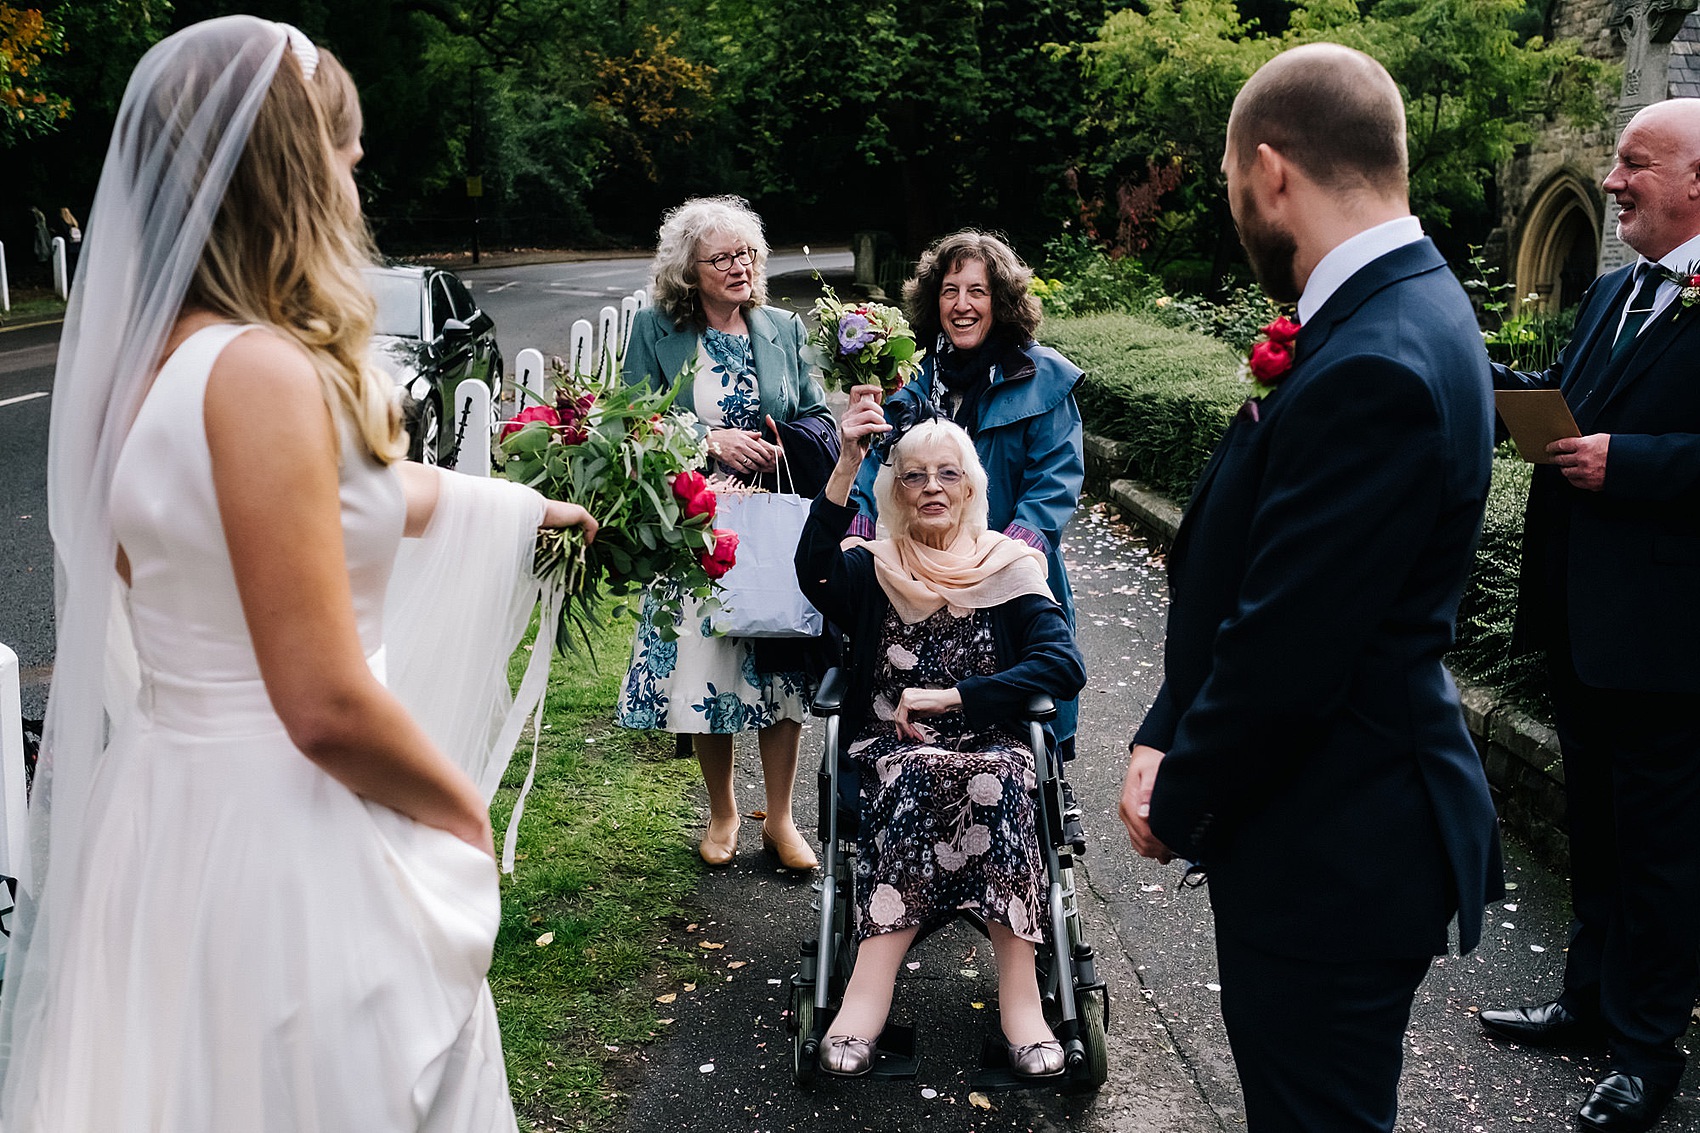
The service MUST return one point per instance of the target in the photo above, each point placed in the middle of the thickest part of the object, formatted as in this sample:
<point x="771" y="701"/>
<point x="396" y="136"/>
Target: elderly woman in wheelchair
<point x="952" y="629"/>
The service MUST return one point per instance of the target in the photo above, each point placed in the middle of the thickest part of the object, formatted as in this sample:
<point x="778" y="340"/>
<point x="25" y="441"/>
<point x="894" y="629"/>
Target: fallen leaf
<point x="757" y="814"/>
<point x="978" y="1006"/>
<point x="709" y="944"/>
<point x="545" y="940"/>
<point x="979" y="1100"/>
<point x="668" y="998"/>
<point x="737" y="963"/>
<point x="664" y="1022"/>
<point x="690" y="987"/>
<point x="969" y="973"/>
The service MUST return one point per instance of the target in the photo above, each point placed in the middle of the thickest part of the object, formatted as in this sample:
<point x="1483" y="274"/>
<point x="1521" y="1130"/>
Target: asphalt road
<point x="26" y="551"/>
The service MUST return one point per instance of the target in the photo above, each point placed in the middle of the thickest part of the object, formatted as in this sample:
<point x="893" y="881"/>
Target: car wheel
<point x="428" y="431"/>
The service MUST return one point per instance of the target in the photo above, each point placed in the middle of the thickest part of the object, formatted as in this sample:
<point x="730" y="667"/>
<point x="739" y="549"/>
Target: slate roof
<point x="1685" y="59"/>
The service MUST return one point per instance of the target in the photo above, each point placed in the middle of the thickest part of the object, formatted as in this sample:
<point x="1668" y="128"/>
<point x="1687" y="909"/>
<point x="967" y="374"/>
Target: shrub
<point x="1167" y="392"/>
<point x="1489" y="607"/>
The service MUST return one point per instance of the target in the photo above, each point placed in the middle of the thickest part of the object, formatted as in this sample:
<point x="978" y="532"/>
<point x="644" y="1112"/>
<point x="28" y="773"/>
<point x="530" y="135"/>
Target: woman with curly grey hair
<point x="970" y="306"/>
<point x="736" y="364"/>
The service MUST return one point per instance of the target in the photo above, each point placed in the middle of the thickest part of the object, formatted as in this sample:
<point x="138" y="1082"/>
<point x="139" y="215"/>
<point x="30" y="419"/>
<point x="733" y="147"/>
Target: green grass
<point x="604" y="863"/>
<point x="32" y="303"/>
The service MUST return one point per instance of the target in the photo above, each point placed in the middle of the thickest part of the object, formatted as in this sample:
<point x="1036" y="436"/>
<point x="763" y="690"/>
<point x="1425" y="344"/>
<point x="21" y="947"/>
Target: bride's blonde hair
<point x="287" y="246"/>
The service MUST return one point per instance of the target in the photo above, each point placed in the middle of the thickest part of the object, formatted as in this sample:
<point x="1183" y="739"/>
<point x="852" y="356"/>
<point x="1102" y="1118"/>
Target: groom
<point x="1307" y="747"/>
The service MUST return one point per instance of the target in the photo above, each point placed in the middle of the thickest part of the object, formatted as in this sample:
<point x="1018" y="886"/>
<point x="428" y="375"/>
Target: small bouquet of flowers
<point x="861" y="344"/>
<point x="616" y="451"/>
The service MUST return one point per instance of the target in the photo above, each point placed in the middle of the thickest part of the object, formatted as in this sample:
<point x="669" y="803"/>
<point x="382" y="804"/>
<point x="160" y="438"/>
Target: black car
<point x="431" y="336"/>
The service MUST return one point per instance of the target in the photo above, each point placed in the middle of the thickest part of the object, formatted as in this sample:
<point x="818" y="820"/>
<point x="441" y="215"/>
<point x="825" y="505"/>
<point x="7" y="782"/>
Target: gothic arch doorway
<point x="1558" y="255"/>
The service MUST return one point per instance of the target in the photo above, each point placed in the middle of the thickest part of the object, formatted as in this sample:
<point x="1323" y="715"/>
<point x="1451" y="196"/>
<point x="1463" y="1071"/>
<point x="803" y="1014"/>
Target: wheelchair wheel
<point x="1092" y="1034"/>
<point x="803" y="1022"/>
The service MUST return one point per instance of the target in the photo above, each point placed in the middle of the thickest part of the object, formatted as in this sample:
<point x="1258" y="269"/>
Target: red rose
<point x="718" y="561"/>
<point x="1270" y="360"/>
<point x="686" y="485"/>
<point x="543" y="413"/>
<point x="1283" y="330"/>
<point x="703" y="503"/>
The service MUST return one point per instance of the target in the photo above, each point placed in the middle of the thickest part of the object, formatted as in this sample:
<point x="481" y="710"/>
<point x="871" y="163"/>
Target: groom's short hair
<point x="1334" y="112"/>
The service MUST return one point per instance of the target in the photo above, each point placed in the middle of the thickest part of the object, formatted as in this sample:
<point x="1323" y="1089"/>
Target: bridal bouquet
<point x="861" y="344"/>
<point x="616" y="451"/>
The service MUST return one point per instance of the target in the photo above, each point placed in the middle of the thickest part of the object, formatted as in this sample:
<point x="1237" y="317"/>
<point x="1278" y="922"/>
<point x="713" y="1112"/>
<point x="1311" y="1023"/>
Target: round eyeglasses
<point x="723" y="262"/>
<point x="915" y="479"/>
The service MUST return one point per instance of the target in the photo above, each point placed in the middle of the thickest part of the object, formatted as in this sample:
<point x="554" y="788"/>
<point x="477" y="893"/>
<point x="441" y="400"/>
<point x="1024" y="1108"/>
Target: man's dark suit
<point x="1317" y="762"/>
<point x="1610" y="588"/>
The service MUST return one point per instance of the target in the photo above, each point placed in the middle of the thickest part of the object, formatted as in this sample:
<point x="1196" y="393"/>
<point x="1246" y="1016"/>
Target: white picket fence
<point x="595" y="352"/>
<point x="5" y="285"/>
<point x="61" y="272"/>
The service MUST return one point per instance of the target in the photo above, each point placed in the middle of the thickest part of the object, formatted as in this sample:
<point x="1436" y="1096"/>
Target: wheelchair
<point x="1076" y="1002"/>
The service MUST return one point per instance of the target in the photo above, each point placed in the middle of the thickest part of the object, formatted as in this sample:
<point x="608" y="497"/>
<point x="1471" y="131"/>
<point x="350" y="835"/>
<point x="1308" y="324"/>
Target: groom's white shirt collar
<point x="1352" y="256"/>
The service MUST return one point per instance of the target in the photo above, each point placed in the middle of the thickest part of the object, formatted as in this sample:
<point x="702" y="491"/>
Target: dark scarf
<point x="965" y="375"/>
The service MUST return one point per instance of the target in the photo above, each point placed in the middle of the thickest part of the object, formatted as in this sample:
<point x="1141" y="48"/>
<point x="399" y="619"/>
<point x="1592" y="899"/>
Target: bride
<point x="260" y="893"/>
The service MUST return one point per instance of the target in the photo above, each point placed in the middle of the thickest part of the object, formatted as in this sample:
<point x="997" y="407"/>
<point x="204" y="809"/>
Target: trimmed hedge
<point x="1167" y="392"/>
<point x="1170" y="393"/>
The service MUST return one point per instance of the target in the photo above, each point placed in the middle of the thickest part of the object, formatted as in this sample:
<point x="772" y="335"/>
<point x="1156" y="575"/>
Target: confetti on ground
<point x="545" y="940"/>
<point x="1213" y="987"/>
<point x="979" y="1100"/>
<point x="1537" y="948"/>
<point x="929" y="1093"/>
<point x="706" y="1068"/>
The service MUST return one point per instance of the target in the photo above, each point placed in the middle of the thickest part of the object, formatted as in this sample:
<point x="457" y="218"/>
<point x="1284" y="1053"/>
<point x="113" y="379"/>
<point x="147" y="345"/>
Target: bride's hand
<point x="559" y="513"/>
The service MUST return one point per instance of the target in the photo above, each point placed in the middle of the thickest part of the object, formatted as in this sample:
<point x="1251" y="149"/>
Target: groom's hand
<point x="1136" y="803"/>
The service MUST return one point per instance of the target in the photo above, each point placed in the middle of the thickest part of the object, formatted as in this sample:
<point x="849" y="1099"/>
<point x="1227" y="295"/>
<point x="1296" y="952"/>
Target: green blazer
<point x="663" y="354"/>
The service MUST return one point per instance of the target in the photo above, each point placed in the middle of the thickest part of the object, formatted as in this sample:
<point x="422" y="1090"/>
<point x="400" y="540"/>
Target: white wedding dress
<point x="249" y="946"/>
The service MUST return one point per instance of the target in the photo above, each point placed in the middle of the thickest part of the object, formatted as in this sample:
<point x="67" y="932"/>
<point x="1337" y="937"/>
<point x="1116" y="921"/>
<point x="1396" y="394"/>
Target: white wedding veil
<point x="181" y="128"/>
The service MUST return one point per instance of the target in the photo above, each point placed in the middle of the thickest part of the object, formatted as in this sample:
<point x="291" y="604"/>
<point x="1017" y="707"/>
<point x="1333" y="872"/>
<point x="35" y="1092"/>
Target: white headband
<point x="305" y="53"/>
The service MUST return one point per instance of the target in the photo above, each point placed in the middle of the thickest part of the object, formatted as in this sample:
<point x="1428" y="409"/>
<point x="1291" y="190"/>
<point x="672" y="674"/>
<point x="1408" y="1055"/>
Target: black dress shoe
<point x="1546" y="1024"/>
<point x="1622" y="1103"/>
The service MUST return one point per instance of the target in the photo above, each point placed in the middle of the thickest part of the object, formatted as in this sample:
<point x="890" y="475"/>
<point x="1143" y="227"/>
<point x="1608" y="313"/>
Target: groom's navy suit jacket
<point x="1318" y="766"/>
<point x="1621" y="566"/>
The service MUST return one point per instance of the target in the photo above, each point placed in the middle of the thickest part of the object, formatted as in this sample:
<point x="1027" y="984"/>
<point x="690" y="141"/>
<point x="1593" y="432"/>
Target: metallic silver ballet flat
<point x="1036" y="1060"/>
<point x="846" y="1056"/>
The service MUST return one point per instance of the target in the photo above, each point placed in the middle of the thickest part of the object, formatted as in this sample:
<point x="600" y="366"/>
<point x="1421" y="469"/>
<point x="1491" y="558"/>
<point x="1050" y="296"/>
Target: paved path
<point x="1170" y="1067"/>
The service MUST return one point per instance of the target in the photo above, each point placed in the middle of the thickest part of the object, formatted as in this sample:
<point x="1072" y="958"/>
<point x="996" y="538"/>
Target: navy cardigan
<point x="1035" y="649"/>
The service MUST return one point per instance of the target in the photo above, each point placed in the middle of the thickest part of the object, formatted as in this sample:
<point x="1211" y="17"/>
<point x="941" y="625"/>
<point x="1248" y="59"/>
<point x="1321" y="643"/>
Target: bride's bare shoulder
<point x="263" y="384"/>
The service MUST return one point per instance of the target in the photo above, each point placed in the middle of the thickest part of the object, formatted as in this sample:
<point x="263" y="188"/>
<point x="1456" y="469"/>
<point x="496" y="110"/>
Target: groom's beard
<point x="1271" y="251"/>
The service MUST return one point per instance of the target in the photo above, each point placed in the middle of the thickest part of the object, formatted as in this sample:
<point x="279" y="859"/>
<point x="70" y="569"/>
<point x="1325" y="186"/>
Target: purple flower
<point x="854" y="332"/>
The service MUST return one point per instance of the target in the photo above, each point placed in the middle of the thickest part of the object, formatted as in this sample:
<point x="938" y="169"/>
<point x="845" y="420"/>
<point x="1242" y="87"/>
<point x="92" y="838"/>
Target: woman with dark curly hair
<point x="970" y="306"/>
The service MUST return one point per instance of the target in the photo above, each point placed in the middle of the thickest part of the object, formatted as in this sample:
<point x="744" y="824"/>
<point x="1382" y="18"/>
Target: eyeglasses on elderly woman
<point x="723" y="262"/>
<point x="917" y="479"/>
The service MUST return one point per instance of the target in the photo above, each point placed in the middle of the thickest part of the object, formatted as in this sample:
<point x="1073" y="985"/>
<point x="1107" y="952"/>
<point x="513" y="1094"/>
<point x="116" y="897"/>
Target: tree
<point x="27" y="108"/>
<point x="1162" y="83"/>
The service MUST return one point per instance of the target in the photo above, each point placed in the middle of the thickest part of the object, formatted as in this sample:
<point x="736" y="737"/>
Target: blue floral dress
<point x="699" y="682"/>
<point x="952" y="817"/>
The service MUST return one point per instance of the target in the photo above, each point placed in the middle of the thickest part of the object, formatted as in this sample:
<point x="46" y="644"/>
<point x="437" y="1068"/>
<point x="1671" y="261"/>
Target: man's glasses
<point x="723" y="262"/>
<point x="915" y="479"/>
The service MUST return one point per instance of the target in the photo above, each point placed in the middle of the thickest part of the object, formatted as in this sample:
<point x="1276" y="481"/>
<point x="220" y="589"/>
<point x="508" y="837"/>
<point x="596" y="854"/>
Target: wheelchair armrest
<point x="1040" y="708"/>
<point x="829" y="698"/>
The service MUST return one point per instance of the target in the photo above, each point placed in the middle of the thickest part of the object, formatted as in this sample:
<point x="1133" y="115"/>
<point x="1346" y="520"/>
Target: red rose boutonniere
<point x="1272" y="356"/>
<point x="1689" y="281"/>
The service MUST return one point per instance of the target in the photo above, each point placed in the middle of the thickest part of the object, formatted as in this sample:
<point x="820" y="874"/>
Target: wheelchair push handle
<point x="1041" y="708"/>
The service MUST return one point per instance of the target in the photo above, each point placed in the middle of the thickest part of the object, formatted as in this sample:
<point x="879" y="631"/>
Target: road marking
<point x="25" y="397"/>
<point x="503" y="286"/>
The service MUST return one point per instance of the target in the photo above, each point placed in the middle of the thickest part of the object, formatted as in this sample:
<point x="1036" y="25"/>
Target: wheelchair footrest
<point x="894" y="1053"/>
<point x="995" y="1076"/>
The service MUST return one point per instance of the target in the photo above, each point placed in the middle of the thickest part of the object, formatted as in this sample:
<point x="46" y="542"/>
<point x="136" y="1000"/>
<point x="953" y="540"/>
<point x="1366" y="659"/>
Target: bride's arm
<point x="274" y="463"/>
<point x="422" y="487"/>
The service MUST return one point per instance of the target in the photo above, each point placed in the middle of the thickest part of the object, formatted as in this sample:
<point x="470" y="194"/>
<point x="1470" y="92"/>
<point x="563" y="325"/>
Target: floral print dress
<point x="700" y="683"/>
<point x="952" y="818"/>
